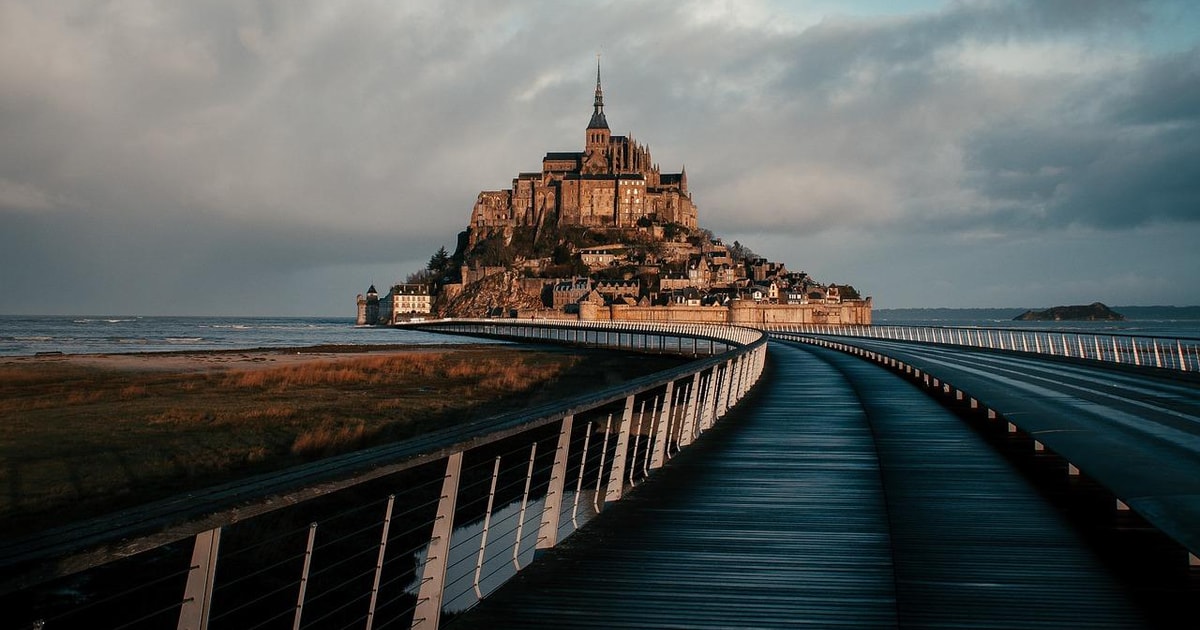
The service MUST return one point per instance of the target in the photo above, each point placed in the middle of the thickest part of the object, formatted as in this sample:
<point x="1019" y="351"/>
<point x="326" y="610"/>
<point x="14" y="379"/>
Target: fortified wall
<point x="740" y="312"/>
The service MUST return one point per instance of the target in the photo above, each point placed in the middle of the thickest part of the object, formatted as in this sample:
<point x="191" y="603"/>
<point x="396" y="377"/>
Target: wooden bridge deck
<point x="837" y="496"/>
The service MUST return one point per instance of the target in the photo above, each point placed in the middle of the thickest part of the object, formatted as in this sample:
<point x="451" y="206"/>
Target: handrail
<point x="1169" y="353"/>
<point x="738" y="335"/>
<point x="614" y="438"/>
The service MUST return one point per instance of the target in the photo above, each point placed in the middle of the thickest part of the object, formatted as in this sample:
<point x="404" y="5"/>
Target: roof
<point x="563" y="155"/>
<point x="410" y="289"/>
<point x="598" y="121"/>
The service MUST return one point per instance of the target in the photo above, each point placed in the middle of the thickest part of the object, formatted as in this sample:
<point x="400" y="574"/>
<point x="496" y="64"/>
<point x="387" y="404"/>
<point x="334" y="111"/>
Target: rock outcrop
<point x="1089" y="312"/>
<point x="497" y="294"/>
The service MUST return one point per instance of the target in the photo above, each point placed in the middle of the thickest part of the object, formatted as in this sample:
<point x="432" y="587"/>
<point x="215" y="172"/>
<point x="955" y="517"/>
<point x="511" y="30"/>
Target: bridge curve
<point x="888" y="573"/>
<point x="1133" y="430"/>
<point x="840" y="496"/>
<point x="234" y="555"/>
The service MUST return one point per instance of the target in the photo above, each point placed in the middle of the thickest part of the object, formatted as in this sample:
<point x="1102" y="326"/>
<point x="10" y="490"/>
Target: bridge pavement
<point x="814" y="507"/>
<point x="1136" y="432"/>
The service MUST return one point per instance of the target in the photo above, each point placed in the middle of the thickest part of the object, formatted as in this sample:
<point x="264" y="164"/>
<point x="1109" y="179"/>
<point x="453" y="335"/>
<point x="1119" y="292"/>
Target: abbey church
<point x="612" y="183"/>
<point x="604" y="234"/>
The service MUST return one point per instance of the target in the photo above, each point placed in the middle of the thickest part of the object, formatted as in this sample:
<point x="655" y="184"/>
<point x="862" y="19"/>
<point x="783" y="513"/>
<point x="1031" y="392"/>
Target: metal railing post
<point x="197" y="594"/>
<point x="600" y="470"/>
<point x="689" y="413"/>
<point x="616" y="475"/>
<point x="487" y="525"/>
<point x="637" y="442"/>
<point x="308" y="550"/>
<point x="652" y="425"/>
<point x="524" y="505"/>
<point x="587" y="438"/>
<point x="552" y="507"/>
<point x="661" y="436"/>
<point x="428" y="612"/>
<point x="383" y="539"/>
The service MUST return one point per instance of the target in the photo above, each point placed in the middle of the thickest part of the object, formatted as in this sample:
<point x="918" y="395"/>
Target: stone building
<point x="613" y="182"/>
<point x="569" y="291"/>
<point x="368" y="308"/>
<point x="403" y="301"/>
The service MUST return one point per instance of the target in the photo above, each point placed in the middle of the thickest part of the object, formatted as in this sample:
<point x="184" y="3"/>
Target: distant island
<point x="1093" y="312"/>
<point x="604" y="234"/>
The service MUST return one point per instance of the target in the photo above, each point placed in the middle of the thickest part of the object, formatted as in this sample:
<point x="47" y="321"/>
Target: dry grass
<point x="330" y="437"/>
<point x="78" y="440"/>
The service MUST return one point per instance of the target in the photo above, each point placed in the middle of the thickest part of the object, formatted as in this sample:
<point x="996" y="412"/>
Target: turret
<point x="371" y="310"/>
<point x="598" y="133"/>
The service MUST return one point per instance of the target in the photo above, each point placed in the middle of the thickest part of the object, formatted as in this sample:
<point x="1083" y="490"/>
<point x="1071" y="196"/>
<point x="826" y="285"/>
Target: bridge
<point x="954" y="477"/>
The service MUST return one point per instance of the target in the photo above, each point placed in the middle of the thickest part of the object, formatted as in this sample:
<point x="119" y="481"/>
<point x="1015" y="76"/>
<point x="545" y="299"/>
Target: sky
<point x="276" y="157"/>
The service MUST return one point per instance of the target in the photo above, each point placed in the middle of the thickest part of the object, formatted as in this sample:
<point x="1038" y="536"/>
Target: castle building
<point x="403" y="301"/>
<point x="612" y="183"/>
<point x="368" y="308"/>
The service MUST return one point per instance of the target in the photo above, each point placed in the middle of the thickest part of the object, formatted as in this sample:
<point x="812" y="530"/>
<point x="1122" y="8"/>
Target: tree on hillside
<point x="424" y="276"/>
<point x="492" y="252"/>
<point x="739" y="252"/>
<point x="439" y="262"/>
<point x="674" y="231"/>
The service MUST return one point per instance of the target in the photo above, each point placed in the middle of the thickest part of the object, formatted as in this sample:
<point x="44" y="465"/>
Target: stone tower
<point x="368" y="308"/>
<point x="598" y="135"/>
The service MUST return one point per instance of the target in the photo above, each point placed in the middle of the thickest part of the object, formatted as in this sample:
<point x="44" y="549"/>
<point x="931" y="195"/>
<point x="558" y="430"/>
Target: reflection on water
<point x="498" y="559"/>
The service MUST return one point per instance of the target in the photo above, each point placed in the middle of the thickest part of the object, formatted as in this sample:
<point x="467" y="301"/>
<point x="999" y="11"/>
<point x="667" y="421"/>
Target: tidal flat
<point x="82" y="435"/>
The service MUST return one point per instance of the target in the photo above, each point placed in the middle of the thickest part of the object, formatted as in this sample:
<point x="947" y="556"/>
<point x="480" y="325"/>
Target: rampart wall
<point x="742" y="312"/>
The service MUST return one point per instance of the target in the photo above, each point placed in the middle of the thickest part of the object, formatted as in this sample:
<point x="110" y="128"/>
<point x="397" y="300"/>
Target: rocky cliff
<point x="497" y="294"/>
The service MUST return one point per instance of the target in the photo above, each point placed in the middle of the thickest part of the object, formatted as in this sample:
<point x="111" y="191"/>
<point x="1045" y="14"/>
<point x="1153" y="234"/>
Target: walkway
<point x="814" y="508"/>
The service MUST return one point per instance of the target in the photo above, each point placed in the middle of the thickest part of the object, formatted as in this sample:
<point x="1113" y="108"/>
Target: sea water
<point x="29" y="335"/>
<point x="1163" y="322"/>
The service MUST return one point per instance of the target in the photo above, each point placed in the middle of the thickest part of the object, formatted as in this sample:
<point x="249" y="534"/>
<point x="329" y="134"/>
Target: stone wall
<point x="742" y="312"/>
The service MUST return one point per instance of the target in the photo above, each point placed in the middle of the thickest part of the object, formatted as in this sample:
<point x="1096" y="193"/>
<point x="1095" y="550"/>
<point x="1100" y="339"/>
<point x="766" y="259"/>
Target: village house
<point x="602" y="256"/>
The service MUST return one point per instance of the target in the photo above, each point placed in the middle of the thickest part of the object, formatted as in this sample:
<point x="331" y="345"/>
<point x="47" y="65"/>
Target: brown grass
<point x="78" y="440"/>
<point x="330" y="437"/>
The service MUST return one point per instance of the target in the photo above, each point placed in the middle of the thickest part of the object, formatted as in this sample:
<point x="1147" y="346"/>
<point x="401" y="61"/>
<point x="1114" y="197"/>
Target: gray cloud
<point x="244" y="149"/>
<point x="1128" y="156"/>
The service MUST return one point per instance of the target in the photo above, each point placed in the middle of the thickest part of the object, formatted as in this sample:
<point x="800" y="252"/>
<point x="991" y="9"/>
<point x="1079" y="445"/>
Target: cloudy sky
<point x="276" y="157"/>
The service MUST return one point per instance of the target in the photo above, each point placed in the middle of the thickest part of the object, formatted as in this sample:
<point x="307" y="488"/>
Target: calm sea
<point x="1155" y="321"/>
<point x="28" y="335"/>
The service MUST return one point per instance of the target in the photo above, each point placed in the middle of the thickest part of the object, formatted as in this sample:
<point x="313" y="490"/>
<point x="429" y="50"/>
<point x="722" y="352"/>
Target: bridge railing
<point x="402" y="535"/>
<point x="694" y="339"/>
<point x="1161" y="352"/>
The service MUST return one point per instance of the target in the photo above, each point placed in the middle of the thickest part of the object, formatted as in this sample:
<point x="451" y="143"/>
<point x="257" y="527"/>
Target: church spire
<point x="598" y="121"/>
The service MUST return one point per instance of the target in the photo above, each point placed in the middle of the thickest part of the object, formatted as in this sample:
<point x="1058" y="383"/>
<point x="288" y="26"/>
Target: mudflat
<point x="81" y="435"/>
